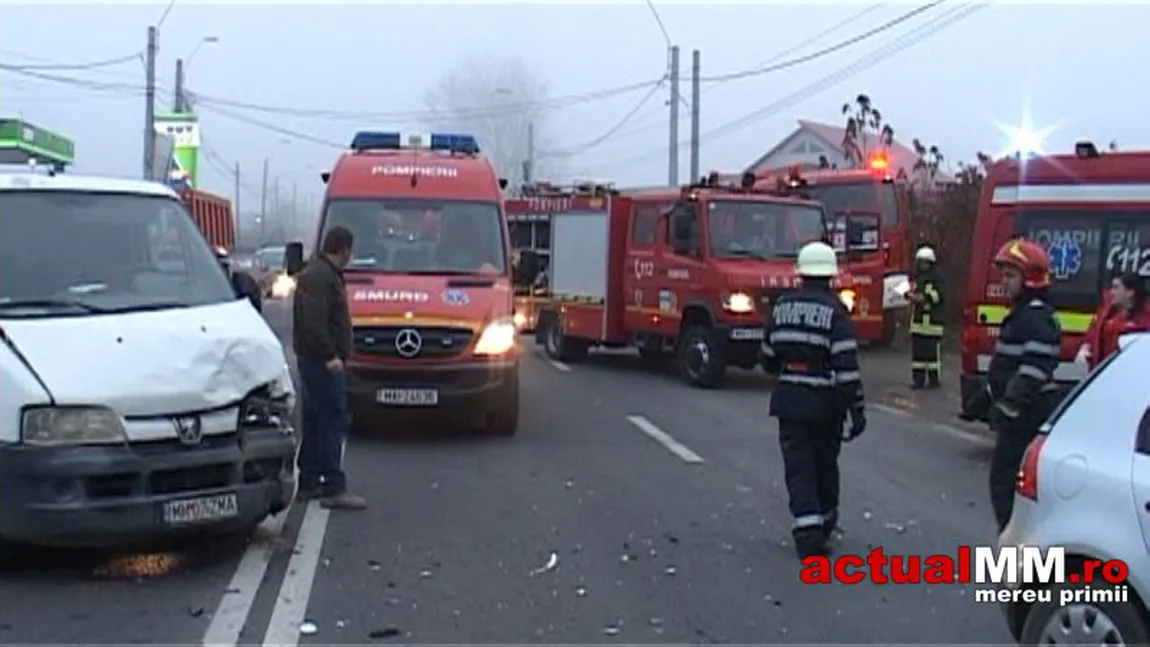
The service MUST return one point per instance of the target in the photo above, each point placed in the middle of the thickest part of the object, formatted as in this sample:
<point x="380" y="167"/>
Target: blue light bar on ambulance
<point x="447" y="142"/>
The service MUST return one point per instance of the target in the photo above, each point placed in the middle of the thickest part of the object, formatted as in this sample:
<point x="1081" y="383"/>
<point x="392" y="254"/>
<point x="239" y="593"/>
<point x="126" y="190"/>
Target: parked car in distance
<point x="1084" y="485"/>
<point x="273" y="278"/>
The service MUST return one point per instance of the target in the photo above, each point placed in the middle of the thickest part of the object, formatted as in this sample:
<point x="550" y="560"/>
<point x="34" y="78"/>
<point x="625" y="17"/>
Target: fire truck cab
<point x="875" y="189"/>
<point x="1091" y="210"/>
<point x="686" y="273"/>
<point x="429" y="285"/>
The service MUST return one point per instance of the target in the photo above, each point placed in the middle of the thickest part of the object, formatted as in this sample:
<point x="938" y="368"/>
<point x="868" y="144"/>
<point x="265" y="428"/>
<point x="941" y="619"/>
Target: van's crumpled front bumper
<point x="108" y="494"/>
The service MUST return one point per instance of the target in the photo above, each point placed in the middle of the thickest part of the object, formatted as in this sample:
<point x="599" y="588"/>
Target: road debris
<point x="552" y="564"/>
<point x="612" y="630"/>
<point x="307" y="628"/>
<point x="383" y="634"/>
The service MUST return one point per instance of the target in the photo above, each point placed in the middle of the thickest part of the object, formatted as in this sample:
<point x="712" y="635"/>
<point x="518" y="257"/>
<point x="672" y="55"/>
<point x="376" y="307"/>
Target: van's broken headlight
<point x="71" y="426"/>
<point x="270" y="406"/>
<point x="497" y="338"/>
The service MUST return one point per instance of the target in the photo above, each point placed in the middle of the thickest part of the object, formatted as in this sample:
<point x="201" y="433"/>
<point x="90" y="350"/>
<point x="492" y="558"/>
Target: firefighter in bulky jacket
<point x="925" y="318"/>
<point x="1020" y="391"/>
<point x="809" y="343"/>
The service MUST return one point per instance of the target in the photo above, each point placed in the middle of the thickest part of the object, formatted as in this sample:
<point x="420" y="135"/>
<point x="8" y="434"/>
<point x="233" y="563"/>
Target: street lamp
<point x="206" y="40"/>
<point x="182" y="66"/>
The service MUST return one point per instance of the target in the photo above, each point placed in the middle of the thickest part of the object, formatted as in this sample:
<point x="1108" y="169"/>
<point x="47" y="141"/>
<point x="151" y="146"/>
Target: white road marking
<point x="962" y="434"/>
<point x="894" y="411"/>
<point x="291" y="603"/>
<point x="560" y="366"/>
<point x="663" y="438"/>
<point x="235" y="606"/>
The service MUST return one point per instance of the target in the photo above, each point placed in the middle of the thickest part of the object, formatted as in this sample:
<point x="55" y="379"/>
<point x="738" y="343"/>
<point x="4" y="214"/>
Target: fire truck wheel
<point x="559" y="346"/>
<point x="701" y="363"/>
<point x="503" y="419"/>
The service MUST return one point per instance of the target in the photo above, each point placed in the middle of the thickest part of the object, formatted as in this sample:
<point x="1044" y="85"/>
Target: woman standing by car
<point x="1124" y="310"/>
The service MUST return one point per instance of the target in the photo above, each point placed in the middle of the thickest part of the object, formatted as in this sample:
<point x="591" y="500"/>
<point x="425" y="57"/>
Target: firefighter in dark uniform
<point x="1020" y="391"/>
<point x="809" y="343"/>
<point x="926" y="313"/>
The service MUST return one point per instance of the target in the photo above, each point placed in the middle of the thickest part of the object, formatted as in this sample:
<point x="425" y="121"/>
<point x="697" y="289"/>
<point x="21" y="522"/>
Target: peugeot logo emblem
<point x="408" y="342"/>
<point x="189" y="429"/>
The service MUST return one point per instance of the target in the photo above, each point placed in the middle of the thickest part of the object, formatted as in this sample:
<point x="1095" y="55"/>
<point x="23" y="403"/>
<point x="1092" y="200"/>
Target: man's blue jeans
<point x="325" y="424"/>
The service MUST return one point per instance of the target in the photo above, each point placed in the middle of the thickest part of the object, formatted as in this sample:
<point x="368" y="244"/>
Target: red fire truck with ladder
<point x="875" y="189"/>
<point x="686" y="273"/>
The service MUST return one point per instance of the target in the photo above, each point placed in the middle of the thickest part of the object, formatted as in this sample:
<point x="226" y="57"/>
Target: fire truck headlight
<point x="498" y="337"/>
<point x="848" y="299"/>
<point x="739" y="302"/>
<point x="520" y="320"/>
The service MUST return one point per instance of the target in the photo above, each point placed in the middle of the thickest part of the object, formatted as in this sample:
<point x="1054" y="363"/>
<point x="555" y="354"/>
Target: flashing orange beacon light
<point x="878" y="163"/>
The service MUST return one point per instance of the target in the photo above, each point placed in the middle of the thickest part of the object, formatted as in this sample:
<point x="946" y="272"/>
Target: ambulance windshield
<point x="762" y="230"/>
<point x="418" y="236"/>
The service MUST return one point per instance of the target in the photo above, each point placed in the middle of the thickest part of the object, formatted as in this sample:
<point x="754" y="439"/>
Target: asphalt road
<point x="663" y="507"/>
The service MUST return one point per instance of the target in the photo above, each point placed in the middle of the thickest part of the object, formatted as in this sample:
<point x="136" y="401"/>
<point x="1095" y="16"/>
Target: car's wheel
<point x="503" y="419"/>
<point x="1083" y="623"/>
<point x="700" y="361"/>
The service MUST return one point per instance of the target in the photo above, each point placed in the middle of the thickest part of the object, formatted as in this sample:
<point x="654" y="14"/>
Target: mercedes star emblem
<point x="189" y="429"/>
<point x="408" y="342"/>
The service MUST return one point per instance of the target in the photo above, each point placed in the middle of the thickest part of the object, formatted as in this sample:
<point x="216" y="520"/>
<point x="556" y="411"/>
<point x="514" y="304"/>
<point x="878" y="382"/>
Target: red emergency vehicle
<point x="1091" y="211"/>
<point x="429" y="286"/>
<point x="688" y="273"/>
<point x="875" y="189"/>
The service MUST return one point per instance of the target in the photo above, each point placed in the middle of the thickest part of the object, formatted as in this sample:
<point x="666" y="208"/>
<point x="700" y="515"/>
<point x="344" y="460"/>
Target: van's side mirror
<point x="293" y="258"/>
<point x="246" y="287"/>
<point x="682" y="233"/>
<point x="502" y="183"/>
<point x="325" y="176"/>
<point x="527" y="270"/>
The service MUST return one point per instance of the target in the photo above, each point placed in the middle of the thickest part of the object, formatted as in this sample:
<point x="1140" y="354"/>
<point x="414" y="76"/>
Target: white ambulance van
<point x="140" y="396"/>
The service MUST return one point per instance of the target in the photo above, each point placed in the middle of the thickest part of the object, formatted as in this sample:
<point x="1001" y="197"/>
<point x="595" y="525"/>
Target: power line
<point x="659" y="22"/>
<point x="582" y="148"/>
<point x="844" y="73"/>
<point x="287" y="132"/>
<point x="68" y="80"/>
<point x="91" y="65"/>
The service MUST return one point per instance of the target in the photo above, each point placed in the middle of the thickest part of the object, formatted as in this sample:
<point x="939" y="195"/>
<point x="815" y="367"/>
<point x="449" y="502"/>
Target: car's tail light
<point x="1028" y="473"/>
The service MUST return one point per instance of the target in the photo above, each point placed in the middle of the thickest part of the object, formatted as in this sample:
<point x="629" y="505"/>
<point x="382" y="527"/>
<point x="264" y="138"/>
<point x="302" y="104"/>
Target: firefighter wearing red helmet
<point x="1020" y="391"/>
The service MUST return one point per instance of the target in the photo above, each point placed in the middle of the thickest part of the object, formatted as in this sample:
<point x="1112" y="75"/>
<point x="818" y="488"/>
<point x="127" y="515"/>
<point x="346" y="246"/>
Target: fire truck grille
<point x="427" y="342"/>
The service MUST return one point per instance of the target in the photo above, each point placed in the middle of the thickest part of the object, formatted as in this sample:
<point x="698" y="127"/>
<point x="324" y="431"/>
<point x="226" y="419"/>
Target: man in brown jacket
<point x="321" y="337"/>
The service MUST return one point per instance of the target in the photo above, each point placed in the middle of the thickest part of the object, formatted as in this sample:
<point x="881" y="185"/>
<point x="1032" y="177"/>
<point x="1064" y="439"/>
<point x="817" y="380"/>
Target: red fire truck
<point x="685" y="273"/>
<point x="1092" y="212"/>
<point x="875" y="189"/>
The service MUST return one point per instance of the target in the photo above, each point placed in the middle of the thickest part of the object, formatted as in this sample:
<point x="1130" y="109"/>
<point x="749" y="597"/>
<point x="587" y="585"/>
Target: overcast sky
<point x="1080" y="66"/>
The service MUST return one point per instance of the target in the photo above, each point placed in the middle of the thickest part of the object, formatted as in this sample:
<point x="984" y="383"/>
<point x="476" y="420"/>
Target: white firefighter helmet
<point x="925" y="253"/>
<point x="817" y="260"/>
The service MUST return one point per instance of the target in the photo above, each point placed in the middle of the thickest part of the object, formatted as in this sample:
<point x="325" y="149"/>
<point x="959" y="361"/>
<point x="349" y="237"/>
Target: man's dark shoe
<point x="344" y="501"/>
<point x="307" y="494"/>
<point x="829" y="524"/>
<point x="811" y="542"/>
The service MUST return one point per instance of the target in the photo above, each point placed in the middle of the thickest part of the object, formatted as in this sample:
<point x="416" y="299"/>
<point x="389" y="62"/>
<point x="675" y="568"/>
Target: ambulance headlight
<point x="739" y="302"/>
<point x="283" y="286"/>
<point x="520" y="320"/>
<point x="71" y="426"/>
<point x="498" y="337"/>
<point x="848" y="299"/>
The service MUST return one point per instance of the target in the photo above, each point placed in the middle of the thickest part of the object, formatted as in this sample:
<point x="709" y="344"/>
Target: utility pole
<point x="264" y="203"/>
<point x="529" y="164"/>
<point x="695" y="93"/>
<point x="150" y="105"/>
<point x="673" y="157"/>
<point x="180" y="85"/>
<point x="294" y="209"/>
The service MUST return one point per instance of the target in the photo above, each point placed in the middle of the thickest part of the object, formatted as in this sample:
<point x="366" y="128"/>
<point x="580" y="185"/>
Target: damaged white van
<point x="140" y="395"/>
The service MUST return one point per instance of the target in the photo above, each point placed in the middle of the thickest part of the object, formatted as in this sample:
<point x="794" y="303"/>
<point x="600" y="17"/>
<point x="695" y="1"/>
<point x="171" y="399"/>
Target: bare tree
<point x="499" y="101"/>
<point x="929" y="162"/>
<point x="863" y="120"/>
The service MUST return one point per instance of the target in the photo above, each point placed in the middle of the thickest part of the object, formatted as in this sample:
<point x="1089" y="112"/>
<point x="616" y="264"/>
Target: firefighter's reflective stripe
<point x="1066" y="371"/>
<point x="807" y="380"/>
<point x="799" y="337"/>
<point x="1037" y="347"/>
<point x="927" y="366"/>
<point x="932" y="293"/>
<point x="926" y="328"/>
<point x="808" y="520"/>
<point x="1070" y="322"/>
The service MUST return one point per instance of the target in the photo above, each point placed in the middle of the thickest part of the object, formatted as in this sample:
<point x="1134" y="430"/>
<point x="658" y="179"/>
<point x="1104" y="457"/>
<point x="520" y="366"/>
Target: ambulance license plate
<point x="201" y="509"/>
<point x="408" y="397"/>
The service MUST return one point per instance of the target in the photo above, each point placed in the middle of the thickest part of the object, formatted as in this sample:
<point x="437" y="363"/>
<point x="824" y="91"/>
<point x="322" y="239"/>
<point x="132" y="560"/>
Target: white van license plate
<point x="408" y="397"/>
<point x="201" y="509"/>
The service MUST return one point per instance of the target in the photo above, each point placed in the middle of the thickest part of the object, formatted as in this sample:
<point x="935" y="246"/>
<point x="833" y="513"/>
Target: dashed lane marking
<point x="560" y="366"/>
<point x="663" y="438"/>
<point x="962" y="434"/>
<point x="894" y="411"/>
<point x="295" y="591"/>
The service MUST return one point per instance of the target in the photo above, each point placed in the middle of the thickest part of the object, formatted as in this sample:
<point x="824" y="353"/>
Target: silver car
<point x="1085" y="486"/>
